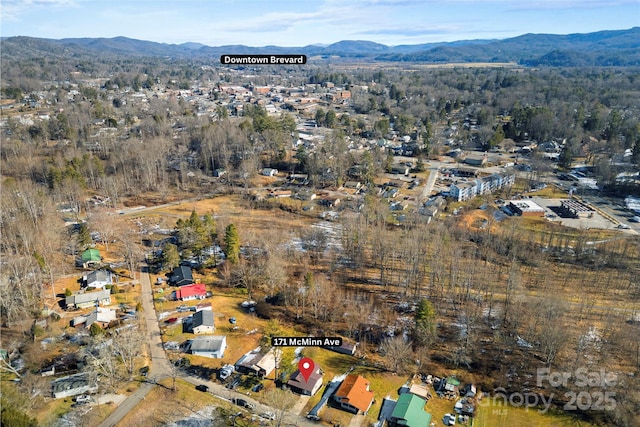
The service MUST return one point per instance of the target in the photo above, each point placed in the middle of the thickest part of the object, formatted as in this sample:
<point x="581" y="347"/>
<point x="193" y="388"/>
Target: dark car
<point x="234" y="382"/>
<point x="256" y="388"/>
<point x="202" y="387"/>
<point x="243" y="403"/>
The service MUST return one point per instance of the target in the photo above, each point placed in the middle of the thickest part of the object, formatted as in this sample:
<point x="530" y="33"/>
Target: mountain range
<point x="603" y="48"/>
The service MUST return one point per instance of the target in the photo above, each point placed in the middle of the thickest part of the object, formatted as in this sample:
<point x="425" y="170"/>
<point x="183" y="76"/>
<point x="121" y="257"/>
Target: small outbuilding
<point x="90" y="258"/>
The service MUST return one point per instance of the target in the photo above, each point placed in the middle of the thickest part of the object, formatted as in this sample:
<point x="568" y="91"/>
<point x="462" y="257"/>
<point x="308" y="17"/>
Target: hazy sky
<point x="303" y="22"/>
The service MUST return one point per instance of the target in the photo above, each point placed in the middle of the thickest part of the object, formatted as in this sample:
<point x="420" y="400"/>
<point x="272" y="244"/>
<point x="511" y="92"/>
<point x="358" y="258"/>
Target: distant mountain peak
<point x="602" y="48"/>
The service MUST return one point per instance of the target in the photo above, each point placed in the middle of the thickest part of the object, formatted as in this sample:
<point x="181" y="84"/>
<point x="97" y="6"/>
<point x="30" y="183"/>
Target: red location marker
<point x="306" y="366"/>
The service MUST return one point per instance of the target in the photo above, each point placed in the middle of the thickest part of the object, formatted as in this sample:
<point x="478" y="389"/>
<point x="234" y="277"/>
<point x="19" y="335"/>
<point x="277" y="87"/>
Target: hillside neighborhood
<point x="457" y="230"/>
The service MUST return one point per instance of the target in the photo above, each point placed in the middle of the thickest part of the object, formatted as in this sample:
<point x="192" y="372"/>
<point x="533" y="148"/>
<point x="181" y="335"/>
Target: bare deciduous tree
<point x="127" y="345"/>
<point x="281" y="401"/>
<point x="397" y="353"/>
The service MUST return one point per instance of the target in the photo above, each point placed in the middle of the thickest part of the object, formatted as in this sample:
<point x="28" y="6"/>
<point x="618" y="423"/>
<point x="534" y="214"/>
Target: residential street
<point x="160" y="369"/>
<point x="159" y="364"/>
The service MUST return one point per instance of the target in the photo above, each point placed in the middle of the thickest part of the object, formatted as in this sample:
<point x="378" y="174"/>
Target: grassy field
<point x="494" y="414"/>
<point x="163" y="405"/>
<point x="248" y="330"/>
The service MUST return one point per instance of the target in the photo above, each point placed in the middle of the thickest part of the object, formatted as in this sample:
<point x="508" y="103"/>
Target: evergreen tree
<point x="330" y="119"/>
<point x="320" y="116"/>
<point x="95" y="330"/>
<point x="195" y="233"/>
<point x="232" y="244"/>
<point x="498" y="136"/>
<point x="566" y="156"/>
<point x="425" y="328"/>
<point x="84" y="237"/>
<point x="170" y="256"/>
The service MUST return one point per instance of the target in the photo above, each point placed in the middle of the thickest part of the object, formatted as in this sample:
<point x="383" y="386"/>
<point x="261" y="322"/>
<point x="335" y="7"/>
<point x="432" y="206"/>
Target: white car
<point x="268" y="416"/>
<point x="83" y="398"/>
<point x="226" y="371"/>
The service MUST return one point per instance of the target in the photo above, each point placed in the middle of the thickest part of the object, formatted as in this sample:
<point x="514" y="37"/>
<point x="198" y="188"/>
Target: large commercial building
<point x="488" y="184"/>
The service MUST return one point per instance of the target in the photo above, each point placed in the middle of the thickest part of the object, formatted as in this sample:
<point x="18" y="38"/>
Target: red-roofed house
<point x="354" y="395"/>
<point x="189" y="292"/>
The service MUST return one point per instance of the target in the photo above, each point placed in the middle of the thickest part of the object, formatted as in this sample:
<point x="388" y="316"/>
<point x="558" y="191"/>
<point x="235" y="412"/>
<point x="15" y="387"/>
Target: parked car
<point x="235" y="382"/>
<point x="268" y="416"/>
<point x="256" y="388"/>
<point x="83" y="398"/>
<point x="243" y="403"/>
<point x="226" y="371"/>
<point x="449" y="419"/>
<point x="202" y="387"/>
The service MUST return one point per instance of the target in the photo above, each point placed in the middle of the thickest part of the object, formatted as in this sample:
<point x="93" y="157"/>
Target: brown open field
<point x="163" y="405"/>
<point x="280" y="224"/>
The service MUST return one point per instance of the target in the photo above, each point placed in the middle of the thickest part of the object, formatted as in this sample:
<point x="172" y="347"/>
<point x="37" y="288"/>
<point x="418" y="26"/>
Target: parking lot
<point x="594" y="221"/>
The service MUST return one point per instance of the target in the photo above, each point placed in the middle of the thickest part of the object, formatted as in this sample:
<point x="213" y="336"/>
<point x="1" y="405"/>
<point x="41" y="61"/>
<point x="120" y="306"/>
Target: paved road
<point x="160" y="369"/>
<point x="431" y="181"/>
<point x="128" y="405"/>
<point x="159" y="364"/>
<point x="222" y="392"/>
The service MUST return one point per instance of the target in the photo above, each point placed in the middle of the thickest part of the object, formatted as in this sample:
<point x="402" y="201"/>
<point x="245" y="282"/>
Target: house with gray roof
<point x="88" y="299"/>
<point x="209" y="346"/>
<point x="203" y="322"/>
<point x="97" y="279"/>
<point x="73" y="385"/>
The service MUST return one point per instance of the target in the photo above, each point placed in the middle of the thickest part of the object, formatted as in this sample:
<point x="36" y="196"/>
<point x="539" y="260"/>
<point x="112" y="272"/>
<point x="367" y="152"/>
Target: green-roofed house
<point x="91" y="258"/>
<point x="409" y="411"/>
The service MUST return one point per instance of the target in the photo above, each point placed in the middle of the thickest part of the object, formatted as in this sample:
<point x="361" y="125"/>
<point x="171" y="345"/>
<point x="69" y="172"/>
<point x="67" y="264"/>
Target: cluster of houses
<point x="352" y="392"/>
<point x="182" y="277"/>
<point x="201" y="322"/>
<point x="95" y="290"/>
<point x="408" y="410"/>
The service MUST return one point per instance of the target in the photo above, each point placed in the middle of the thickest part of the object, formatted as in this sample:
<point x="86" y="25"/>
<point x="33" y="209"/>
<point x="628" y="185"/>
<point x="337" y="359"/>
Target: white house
<point x="209" y="346"/>
<point x="97" y="279"/>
